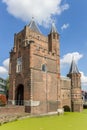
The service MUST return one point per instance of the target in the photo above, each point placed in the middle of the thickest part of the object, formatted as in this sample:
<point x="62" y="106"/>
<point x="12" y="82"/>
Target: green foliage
<point x="3" y="100"/>
<point x="7" y="83"/>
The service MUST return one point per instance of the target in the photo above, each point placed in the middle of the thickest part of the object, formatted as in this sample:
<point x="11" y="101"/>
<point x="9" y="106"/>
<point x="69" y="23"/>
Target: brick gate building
<point x="35" y="79"/>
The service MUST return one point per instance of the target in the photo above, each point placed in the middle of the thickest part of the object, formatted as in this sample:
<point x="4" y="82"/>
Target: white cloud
<point x="3" y="72"/>
<point x="42" y="10"/>
<point x="84" y="79"/>
<point x="64" y="26"/>
<point x="6" y="64"/>
<point x="4" y="69"/>
<point x="68" y="58"/>
<point x="66" y="61"/>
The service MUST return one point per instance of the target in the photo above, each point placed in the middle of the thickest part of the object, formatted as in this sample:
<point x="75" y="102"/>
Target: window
<point x="44" y="68"/>
<point x="19" y="64"/>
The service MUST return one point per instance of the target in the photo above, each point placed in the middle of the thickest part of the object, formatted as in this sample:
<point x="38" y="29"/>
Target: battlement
<point x="43" y="51"/>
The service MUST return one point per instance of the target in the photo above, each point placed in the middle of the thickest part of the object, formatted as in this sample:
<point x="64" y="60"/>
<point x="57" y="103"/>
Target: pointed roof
<point x="53" y="28"/>
<point x="33" y="26"/>
<point x="73" y="68"/>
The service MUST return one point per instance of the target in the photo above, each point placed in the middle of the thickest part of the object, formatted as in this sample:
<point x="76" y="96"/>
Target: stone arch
<point x="66" y="108"/>
<point x="19" y="97"/>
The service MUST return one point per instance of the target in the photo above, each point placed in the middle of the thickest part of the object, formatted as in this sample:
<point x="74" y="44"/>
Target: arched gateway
<point x="19" y="97"/>
<point x="66" y="108"/>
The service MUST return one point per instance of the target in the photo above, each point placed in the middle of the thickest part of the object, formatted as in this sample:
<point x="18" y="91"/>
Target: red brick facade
<point x="35" y="73"/>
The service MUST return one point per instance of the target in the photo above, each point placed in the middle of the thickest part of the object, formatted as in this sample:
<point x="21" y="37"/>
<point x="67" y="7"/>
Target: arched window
<point x="44" y="68"/>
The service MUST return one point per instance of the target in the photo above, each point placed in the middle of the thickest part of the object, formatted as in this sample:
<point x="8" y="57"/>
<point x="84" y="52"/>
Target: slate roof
<point x="73" y="68"/>
<point x="33" y="26"/>
<point x="53" y="28"/>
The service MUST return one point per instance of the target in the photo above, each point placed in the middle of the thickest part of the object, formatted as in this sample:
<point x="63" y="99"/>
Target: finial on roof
<point x="73" y="68"/>
<point x="33" y="26"/>
<point x="53" y="28"/>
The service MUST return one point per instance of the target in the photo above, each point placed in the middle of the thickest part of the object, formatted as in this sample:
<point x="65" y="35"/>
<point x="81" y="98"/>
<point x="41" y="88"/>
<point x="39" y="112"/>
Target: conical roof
<point x="73" y="68"/>
<point x="53" y="28"/>
<point x="33" y="26"/>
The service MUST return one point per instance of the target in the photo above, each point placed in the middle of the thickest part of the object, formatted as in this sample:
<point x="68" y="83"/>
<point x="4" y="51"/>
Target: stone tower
<point x="76" y="96"/>
<point x="35" y="70"/>
<point x="34" y="73"/>
<point x="54" y="48"/>
<point x="53" y="40"/>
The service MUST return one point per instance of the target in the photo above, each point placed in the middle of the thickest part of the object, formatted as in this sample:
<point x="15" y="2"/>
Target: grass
<point x="68" y="121"/>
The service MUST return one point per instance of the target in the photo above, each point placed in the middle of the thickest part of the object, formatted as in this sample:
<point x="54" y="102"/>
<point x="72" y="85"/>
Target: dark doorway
<point x="66" y="108"/>
<point x="20" y="95"/>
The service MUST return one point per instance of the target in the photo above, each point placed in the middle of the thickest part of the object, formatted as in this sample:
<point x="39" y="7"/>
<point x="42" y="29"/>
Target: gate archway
<point x="66" y="108"/>
<point x="20" y="95"/>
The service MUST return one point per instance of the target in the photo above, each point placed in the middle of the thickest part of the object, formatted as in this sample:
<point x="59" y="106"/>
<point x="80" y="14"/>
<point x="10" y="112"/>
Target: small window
<point x="44" y="68"/>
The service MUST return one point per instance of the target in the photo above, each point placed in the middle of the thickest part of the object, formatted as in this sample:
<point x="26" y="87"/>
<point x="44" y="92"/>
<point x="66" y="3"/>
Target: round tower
<point x="76" y="95"/>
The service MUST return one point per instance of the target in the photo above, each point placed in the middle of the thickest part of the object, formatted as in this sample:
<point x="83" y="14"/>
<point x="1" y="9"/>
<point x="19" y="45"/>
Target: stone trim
<point x="31" y="103"/>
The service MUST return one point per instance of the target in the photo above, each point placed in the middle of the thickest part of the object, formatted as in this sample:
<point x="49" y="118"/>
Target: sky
<point x="70" y="18"/>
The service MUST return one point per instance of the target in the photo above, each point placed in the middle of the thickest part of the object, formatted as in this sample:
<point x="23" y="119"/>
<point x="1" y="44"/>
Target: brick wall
<point x="12" y="109"/>
<point x="43" y="91"/>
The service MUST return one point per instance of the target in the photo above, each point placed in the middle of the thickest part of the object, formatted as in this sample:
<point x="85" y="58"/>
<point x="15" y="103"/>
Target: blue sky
<point x="71" y="21"/>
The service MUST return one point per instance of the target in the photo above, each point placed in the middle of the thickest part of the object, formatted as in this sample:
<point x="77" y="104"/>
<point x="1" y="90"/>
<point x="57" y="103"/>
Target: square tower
<point x="35" y="70"/>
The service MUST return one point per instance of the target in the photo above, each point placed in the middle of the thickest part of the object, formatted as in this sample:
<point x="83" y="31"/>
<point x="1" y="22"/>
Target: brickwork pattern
<point x="43" y="91"/>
